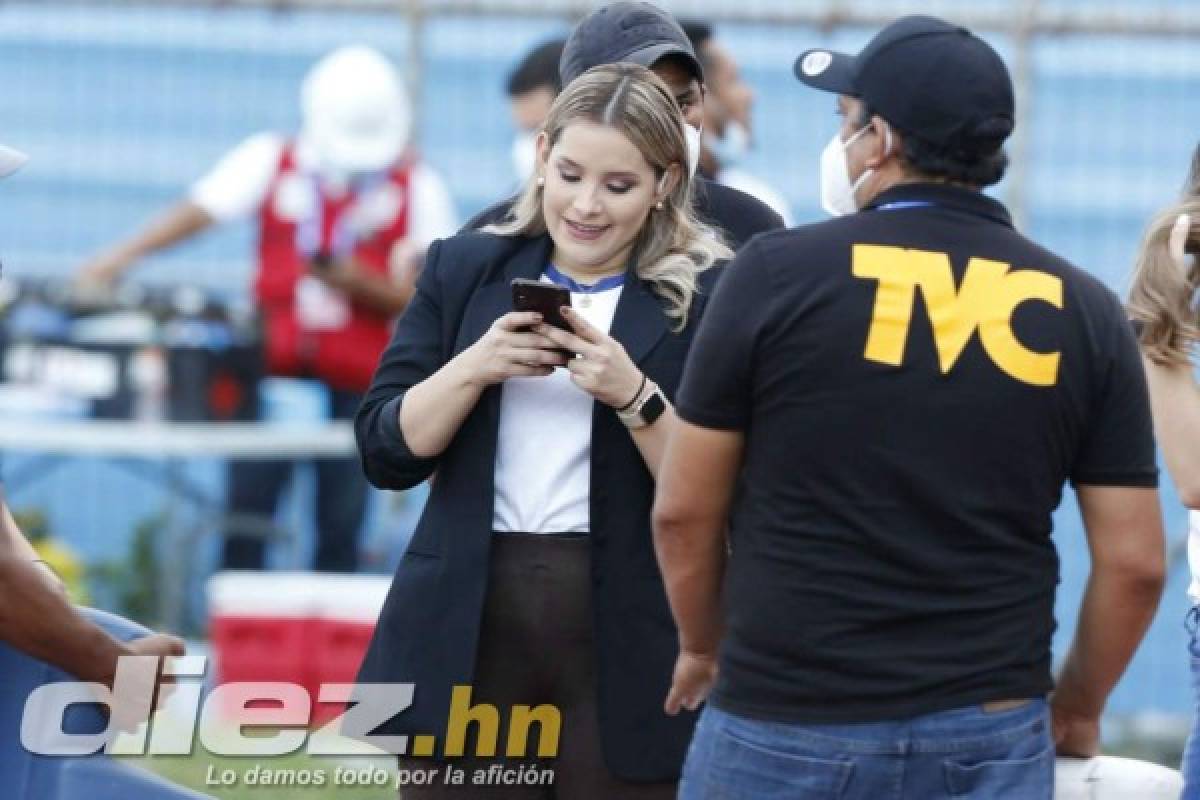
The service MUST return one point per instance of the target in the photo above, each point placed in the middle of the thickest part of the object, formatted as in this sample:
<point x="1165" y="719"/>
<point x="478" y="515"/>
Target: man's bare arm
<point x="182" y="221"/>
<point x="1125" y="539"/>
<point x="12" y="541"/>
<point x="1175" y="403"/>
<point x="696" y="481"/>
<point x="37" y="618"/>
<point x="695" y="490"/>
<point x="39" y="621"/>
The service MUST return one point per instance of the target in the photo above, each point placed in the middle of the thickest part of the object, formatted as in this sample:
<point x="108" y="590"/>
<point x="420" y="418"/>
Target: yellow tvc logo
<point x="986" y="301"/>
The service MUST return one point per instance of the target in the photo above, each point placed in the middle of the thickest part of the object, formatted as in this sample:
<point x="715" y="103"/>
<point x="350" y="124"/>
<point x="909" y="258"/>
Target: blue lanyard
<point x="602" y="285"/>
<point x="900" y="205"/>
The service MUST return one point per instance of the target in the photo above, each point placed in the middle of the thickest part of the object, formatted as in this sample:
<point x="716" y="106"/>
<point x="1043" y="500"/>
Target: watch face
<point x="653" y="408"/>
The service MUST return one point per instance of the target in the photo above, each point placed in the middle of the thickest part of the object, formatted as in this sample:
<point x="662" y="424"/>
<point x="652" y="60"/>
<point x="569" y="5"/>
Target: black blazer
<point x="429" y="626"/>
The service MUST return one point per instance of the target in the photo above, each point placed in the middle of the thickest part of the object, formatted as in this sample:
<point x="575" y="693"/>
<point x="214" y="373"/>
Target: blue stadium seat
<point x="32" y="777"/>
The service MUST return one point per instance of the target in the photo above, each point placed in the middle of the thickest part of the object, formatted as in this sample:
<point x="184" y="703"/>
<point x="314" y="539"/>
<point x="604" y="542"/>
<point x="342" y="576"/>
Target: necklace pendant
<point x="585" y="302"/>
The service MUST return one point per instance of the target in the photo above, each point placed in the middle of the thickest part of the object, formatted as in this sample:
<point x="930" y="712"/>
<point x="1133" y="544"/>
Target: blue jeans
<point x="966" y="752"/>
<point x="1191" y="752"/>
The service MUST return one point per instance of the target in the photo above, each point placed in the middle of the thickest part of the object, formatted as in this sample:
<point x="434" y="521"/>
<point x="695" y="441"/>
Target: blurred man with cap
<point x="344" y="211"/>
<point x="36" y="617"/>
<point x="641" y="33"/>
<point x="899" y="396"/>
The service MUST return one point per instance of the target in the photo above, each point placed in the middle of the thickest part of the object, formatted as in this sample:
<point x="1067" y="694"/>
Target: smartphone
<point x="544" y="298"/>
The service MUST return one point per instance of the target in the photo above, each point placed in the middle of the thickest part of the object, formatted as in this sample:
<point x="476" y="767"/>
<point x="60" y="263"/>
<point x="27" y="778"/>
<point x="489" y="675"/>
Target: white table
<point x="153" y="440"/>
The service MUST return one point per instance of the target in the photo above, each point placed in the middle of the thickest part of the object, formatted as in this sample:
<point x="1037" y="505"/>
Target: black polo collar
<point x="943" y="195"/>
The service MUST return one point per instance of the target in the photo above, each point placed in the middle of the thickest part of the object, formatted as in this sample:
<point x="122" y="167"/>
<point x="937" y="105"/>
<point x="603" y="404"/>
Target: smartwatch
<point x="646" y="410"/>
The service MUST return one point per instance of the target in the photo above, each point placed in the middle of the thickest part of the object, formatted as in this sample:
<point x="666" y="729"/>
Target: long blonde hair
<point x="1163" y="294"/>
<point x="673" y="245"/>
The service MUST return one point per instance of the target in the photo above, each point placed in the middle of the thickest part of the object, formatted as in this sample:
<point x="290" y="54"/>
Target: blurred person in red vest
<point x="345" y="212"/>
<point x="36" y="616"/>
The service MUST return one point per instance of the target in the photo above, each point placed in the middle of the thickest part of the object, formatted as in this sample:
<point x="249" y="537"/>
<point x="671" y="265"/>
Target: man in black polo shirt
<point x="641" y="33"/>
<point x="899" y="396"/>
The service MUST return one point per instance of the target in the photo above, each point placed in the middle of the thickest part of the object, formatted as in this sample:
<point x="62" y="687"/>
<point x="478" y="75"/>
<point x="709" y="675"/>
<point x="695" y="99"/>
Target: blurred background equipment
<point x="166" y="353"/>
<point x="123" y="104"/>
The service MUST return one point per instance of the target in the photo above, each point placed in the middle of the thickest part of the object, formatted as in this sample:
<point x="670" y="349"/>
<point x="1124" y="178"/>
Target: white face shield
<point x="356" y="111"/>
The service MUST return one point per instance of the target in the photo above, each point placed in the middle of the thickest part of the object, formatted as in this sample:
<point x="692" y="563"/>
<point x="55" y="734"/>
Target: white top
<point x="237" y="187"/>
<point x="544" y="449"/>
<point x="1194" y="555"/>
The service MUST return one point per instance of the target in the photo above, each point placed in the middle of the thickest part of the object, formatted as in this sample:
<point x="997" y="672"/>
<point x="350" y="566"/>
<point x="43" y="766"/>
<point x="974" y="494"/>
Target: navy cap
<point x="931" y="79"/>
<point x="638" y="33"/>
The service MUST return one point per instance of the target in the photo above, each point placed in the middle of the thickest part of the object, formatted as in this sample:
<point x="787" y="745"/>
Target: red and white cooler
<point x="305" y="628"/>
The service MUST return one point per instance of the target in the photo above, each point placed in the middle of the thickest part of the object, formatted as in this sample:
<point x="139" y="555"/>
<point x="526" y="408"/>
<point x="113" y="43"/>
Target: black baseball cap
<point x="931" y="79"/>
<point x="639" y="33"/>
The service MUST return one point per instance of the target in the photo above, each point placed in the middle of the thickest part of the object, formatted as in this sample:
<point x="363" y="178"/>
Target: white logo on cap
<point x="816" y="62"/>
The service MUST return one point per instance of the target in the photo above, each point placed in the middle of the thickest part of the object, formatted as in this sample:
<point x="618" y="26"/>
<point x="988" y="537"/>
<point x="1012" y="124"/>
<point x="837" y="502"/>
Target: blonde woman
<point x="531" y="576"/>
<point x="1162" y="304"/>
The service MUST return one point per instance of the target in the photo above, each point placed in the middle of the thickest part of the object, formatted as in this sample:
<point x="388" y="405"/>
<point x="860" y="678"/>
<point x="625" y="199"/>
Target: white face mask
<point x="837" y="193"/>
<point x="732" y="147"/>
<point x="693" y="147"/>
<point x="524" y="154"/>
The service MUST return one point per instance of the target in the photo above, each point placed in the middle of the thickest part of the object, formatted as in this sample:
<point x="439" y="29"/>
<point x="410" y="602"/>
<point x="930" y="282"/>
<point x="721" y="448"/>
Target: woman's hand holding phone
<point x="604" y="370"/>
<point x="512" y="348"/>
